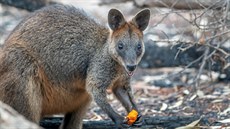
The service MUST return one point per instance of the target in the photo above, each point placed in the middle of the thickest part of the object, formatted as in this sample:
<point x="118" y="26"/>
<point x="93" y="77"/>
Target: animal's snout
<point x="131" y="67"/>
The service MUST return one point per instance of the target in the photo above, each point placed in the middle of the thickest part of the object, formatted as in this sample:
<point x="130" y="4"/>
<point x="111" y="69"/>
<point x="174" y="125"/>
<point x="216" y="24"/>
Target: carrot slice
<point x="132" y="117"/>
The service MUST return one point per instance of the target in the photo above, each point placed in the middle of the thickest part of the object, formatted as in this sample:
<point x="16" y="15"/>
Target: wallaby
<point x="59" y="58"/>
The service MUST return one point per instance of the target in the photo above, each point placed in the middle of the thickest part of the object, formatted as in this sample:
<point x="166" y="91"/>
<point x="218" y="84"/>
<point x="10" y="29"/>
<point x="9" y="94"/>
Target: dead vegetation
<point x="198" y="88"/>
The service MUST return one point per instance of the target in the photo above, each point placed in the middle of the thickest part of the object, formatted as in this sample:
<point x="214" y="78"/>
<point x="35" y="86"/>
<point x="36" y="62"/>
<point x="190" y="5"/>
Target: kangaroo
<point x="58" y="59"/>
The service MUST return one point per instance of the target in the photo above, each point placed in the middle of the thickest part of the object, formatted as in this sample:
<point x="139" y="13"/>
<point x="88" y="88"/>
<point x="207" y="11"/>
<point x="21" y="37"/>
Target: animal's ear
<point x="141" y="20"/>
<point x="115" y="19"/>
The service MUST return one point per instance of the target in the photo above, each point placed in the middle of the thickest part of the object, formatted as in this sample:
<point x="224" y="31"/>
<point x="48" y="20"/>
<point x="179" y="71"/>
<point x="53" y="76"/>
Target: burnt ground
<point x="159" y="91"/>
<point x="159" y="95"/>
<point x="167" y="96"/>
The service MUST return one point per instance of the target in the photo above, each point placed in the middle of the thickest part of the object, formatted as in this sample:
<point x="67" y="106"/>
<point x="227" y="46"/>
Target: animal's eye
<point x="139" y="46"/>
<point x="120" y="46"/>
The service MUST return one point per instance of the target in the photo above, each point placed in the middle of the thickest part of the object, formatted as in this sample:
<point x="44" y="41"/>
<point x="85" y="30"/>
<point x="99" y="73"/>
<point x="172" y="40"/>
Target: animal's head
<point x="126" y="40"/>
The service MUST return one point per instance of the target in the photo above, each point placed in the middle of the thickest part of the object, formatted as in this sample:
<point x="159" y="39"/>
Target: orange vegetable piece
<point x="132" y="117"/>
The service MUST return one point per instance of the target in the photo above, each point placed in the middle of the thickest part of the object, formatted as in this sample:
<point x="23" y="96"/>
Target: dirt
<point x="159" y="91"/>
<point x="210" y="100"/>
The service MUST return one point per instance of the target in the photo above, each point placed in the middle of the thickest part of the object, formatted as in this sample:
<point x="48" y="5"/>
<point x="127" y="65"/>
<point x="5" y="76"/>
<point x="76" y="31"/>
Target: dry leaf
<point x="191" y="125"/>
<point x="186" y="92"/>
<point x="227" y="65"/>
<point x="164" y="107"/>
<point x="193" y="97"/>
<point x="225" y="121"/>
<point x="209" y="97"/>
<point x="177" y="104"/>
<point x="217" y="101"/>
<point x="215" y="127"/>
<point x="200" y="93"/>
<point x="225" y="111"/>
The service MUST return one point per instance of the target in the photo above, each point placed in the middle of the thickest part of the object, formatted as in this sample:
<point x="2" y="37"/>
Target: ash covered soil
<point x="164" y="92"/>
<point x="158" y="91"/>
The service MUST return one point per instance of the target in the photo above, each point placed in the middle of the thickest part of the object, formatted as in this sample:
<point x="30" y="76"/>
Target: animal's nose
<point x="131" y="67"/>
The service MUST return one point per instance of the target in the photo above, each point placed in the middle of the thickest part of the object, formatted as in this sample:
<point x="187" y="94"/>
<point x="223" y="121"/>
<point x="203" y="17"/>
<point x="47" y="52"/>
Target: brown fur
<point x="127" y="27"/>
<point x="62" y="97"/>
<point x="58" y="59"/>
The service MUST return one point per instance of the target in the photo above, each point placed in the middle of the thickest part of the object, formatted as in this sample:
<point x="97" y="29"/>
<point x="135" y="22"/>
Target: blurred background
<point x="186" y="67"/>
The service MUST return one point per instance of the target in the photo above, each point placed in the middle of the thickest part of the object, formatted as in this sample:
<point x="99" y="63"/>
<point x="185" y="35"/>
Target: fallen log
<point x="29" y="5"/>
<point x="167" y="56"/>
<point x="166" y="122"/>
<point x="104" y="2"/>
<point x="10" y="119"/>
<point x="172" y="4"/>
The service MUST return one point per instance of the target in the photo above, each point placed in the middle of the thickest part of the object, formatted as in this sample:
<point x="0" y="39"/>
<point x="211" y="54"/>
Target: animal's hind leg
<point x="73" y="120"/>
<point x="24" y="96"/>
<point x="19" y="81"/>
<point x="34" y="100"/>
